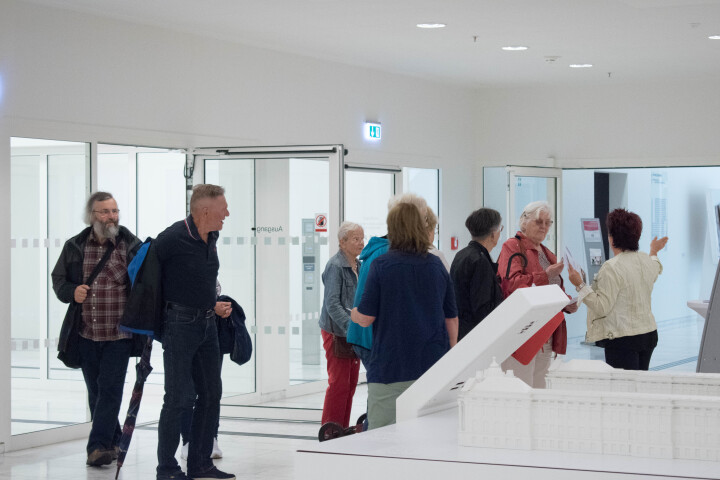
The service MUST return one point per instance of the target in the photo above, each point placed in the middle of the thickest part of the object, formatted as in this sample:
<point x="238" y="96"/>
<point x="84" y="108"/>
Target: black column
<point x="602" y="205"/>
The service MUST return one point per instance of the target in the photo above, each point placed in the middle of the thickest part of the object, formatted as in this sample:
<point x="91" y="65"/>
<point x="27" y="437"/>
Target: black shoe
<point x="212" y="474"/>
<point x="98" y="457"/>
<point x="175" y="476"/>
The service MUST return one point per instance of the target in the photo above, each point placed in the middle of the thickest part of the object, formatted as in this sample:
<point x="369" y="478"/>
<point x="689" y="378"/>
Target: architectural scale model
<point x="597" y="375"/>
<point x="601" y="411"/>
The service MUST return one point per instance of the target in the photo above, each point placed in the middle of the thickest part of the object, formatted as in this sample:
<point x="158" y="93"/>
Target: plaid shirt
<point x="104" y="305"/>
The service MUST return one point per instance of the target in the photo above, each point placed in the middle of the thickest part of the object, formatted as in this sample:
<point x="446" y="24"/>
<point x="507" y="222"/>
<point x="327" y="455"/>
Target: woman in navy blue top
<point x="410" y="302"/>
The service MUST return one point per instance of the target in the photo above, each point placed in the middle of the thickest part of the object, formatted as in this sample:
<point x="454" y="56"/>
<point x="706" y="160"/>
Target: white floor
<point x="252" y="448"/>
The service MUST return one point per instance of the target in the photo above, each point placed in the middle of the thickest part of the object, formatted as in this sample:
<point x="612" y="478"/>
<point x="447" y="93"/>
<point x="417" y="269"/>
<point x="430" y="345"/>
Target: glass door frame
<point x="393" y="170"/>
<point x="270" y="383"/>
<point x="541" y="172"/>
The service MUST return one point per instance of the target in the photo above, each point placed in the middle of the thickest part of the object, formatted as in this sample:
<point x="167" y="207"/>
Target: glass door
<point x="367" y="191"/>
<point x="285" y="208"/>
<point x="530" y="185"/>
<point x="236" y="250"/>
<point x="509" y="189"/>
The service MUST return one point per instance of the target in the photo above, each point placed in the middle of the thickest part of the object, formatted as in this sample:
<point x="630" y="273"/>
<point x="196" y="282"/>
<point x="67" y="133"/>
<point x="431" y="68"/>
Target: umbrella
<point x="143" y="369"/>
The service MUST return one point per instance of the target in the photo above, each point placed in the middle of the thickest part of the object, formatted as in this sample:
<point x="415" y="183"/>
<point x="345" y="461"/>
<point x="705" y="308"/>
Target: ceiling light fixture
<point x="431" y="25"/>
<point x="581" y="65"/>
<point x="515" y="48"/>
<point x="714" y="37"/>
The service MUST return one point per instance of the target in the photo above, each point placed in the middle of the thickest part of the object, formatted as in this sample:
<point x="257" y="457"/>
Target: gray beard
<point x="107" y="231"/>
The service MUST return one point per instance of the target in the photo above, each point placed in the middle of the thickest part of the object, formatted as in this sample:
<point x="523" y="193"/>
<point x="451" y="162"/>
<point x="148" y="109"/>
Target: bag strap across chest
<point x="98" y="268"/>
<point x="520" y="254"/>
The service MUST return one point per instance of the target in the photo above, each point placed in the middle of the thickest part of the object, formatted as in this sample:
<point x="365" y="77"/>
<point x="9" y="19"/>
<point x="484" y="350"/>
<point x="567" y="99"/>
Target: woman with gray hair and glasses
<point x="340" y="279"/>
<point x="539" y="268"/>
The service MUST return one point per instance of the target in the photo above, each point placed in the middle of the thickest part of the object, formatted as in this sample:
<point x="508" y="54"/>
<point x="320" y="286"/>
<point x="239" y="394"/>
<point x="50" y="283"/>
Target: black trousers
<point x="630" y="353"/>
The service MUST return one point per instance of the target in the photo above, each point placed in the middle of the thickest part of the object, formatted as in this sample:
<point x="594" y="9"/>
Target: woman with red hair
<point x="619" y="315"/>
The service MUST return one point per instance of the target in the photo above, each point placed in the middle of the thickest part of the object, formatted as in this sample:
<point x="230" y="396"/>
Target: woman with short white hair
<point x="340" y="279"/>
<point x="539" y="267"/>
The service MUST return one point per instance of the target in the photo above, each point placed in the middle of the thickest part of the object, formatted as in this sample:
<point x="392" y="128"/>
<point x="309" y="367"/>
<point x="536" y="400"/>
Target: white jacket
<point x="619" y="299"/>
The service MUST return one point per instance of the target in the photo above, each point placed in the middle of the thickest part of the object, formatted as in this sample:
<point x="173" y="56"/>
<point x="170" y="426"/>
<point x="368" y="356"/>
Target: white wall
<point x="613" y="125"/>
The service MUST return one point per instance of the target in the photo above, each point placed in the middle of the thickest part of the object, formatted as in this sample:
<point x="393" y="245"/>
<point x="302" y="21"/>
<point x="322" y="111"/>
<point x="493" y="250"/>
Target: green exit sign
<point x="373" y="131"/>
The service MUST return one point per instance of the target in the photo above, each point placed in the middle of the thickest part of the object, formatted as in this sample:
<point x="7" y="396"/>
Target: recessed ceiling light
<point x="714" y="37"/>
<point x="431" y="25"/>
<point x="581" y="65"/>
<point x="515" y="48"/>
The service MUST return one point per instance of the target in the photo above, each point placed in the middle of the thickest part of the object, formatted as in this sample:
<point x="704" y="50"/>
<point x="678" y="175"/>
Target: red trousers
<point x="342" y="380"/>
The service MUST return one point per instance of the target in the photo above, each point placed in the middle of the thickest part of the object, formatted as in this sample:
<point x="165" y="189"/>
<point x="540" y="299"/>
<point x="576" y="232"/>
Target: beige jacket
<point x="619" y="299"/>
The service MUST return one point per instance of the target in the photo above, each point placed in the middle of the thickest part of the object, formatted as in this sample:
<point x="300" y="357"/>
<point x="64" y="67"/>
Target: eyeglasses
<point x="540" y="223"/>
<point x="498" y="230"/>
<point x="107" y="211"/>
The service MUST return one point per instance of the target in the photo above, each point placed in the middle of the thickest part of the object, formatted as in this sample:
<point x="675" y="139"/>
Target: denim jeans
<point x="104" y="365"/>
<point x="186" y="423"/>
<point x="192" y="367"/>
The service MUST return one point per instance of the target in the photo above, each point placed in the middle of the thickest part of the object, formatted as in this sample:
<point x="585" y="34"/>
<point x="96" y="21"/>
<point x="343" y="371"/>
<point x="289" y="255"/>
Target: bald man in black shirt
<point x="187" y="253"/>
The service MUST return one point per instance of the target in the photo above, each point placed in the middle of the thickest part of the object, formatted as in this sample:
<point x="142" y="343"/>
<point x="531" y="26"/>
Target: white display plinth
<point x="427" y="448"/>
<point x="502" y="332"/>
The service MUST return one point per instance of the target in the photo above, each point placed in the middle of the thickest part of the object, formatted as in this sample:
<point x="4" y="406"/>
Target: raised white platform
<point x="427" y="448"/>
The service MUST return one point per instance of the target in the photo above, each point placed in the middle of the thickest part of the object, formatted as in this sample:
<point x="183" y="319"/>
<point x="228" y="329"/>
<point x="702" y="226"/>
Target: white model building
<point x="602" y="411"/>
<point x="597" y="375"/>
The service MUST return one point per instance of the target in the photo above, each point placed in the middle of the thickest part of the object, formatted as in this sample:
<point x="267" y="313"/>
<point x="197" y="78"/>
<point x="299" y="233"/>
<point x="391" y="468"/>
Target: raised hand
<point x="657" y="244"/>
<point x="555" y="270"/>
<point x="574" y="276"/>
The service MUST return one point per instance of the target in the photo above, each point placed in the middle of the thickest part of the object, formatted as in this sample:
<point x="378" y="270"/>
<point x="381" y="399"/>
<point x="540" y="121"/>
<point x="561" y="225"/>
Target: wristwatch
<point x="581" y="286"/>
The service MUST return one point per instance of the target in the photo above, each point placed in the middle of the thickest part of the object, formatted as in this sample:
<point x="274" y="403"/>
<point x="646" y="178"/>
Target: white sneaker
<point x="184" y="451"/>
<point x="216" y="453"/>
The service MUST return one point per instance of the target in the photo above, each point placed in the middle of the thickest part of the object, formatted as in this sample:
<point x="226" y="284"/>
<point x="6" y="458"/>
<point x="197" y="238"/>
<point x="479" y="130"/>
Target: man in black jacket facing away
<point x="103" y="350"/>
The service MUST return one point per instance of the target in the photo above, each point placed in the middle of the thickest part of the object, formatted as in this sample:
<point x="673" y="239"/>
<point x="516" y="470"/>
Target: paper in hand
<point x="569" y="260"/>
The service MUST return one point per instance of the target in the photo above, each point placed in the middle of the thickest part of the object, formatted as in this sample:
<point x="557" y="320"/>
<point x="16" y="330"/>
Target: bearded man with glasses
<point x="98" y="296"/>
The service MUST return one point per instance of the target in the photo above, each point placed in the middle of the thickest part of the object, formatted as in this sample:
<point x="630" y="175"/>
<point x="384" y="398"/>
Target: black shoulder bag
<point x="69" y="341"/>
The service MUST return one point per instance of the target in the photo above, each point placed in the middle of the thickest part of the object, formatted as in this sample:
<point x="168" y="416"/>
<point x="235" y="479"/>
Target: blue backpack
<point x="138" y="260"/>
<point x="144" y="309"/>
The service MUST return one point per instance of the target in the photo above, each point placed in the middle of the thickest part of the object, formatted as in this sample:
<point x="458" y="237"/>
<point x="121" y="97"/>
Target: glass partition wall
<point x="366" y="197"/>
<point x="50" y="184"/>
<point x="426" y="183"/>
<point x="680" y="201"/>
<point x="285" y="209"/>
<point x="149" y="187"/>
<point x="50" y="181"/>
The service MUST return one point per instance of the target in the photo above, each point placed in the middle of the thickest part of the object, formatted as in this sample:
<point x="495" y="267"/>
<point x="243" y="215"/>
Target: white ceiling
<point x="627" y="41"/>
